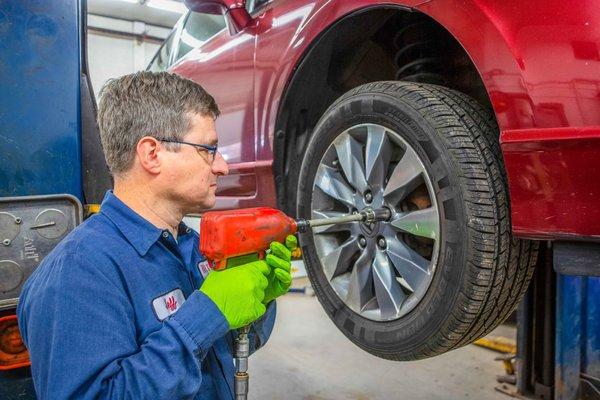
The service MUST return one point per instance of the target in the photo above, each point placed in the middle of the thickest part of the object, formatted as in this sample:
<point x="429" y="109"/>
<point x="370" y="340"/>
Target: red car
<point x="476" y="122"/>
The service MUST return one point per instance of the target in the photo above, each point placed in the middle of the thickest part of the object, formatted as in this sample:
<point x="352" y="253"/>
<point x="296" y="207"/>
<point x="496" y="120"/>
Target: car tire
<point x="476" y="272"/>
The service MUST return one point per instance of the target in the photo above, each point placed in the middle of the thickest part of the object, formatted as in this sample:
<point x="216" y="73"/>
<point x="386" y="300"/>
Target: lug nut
<point x="362" y="241"/>
<point x="368" y="196"/>
<point x="18" y="220"/>
<point x="381" y="243"/>
<point x="6" y="242"/>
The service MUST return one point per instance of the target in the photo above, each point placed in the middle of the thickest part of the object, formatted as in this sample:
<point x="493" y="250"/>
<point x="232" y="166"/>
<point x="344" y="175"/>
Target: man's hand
<point x="280" y="277"/>
<point x="239" y="292"/>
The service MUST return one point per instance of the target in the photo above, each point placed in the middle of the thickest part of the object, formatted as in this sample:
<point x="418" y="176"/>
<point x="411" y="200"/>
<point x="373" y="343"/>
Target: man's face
<point x="191" y="174"/>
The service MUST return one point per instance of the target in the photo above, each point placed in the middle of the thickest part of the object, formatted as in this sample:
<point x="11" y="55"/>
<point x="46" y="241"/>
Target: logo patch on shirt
<point x="167" y="304"/>
<point x="204" y="267"/>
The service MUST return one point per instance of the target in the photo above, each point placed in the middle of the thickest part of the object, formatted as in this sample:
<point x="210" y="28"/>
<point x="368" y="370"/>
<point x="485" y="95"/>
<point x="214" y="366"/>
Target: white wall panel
<point x="111" y="56"/>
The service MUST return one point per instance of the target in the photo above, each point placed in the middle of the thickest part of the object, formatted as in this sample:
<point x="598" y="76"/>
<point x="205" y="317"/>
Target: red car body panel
<point x="539" y="62"/>
<point x="555" y="181"/>
<point x="225" y="67"/>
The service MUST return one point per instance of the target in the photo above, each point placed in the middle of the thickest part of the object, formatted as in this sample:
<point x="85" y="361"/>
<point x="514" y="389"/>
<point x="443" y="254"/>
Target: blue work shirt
<point x="114" y="312"/>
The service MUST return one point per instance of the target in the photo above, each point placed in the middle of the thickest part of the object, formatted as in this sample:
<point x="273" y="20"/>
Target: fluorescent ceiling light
<point x="167" y="5"/>
<point x="131" y="1"/>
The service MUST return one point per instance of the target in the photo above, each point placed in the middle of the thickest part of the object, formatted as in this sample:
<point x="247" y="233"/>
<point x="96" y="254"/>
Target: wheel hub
<point x="370" y="229"/>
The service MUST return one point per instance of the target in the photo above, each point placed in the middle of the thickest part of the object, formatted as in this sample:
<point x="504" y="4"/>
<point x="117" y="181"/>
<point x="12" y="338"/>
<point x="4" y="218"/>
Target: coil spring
<point x="419" y="56"/>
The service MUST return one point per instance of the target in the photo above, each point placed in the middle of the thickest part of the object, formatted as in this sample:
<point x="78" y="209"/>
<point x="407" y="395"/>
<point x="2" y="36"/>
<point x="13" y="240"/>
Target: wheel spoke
<point x="331" y="182"/>
<point x="350" y="155"/>
<point x="410" y="265"/>
<point x="378" y="155"/>
<point x="338" y="261"/>
<point x="389" y="295"/>
<point x="423" y="223"/>
<point x="360" y="289"/>
<point x="332" y="228"/>
<point x="404" y="178"/>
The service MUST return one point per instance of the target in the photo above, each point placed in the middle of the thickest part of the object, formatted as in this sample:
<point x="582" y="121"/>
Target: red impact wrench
<point x="233" y="233"/>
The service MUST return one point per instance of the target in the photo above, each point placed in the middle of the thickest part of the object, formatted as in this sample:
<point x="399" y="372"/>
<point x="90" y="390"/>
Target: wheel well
<point x="374" y="44"/>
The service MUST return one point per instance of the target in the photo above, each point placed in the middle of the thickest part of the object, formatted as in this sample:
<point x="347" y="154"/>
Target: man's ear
<point x="148" y="150"/>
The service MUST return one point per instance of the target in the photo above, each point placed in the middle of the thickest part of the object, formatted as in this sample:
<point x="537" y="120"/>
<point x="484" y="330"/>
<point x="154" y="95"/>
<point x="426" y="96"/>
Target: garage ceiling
<point x="163" y="13"/>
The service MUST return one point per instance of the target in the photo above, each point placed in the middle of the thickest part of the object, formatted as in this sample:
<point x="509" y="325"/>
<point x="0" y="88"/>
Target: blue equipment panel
<point x="577" y="336"/>
<point x="40" y="126"/>
<point x="40" y="145"/>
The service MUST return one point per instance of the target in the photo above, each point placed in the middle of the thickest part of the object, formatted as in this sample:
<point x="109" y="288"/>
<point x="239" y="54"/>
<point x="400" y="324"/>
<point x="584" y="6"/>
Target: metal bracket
<point x="30" y="227"/>
<point x="577" y="258"/>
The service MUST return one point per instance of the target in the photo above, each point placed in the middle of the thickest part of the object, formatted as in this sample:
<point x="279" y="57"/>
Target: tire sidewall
<point x="405" y="336"/>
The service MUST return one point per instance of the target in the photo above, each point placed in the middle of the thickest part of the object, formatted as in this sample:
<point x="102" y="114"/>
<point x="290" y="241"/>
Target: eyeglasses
<point x="212" y="150"/>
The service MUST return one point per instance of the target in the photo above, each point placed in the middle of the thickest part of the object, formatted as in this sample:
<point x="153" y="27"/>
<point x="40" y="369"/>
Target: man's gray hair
<point x="157" y="104"/>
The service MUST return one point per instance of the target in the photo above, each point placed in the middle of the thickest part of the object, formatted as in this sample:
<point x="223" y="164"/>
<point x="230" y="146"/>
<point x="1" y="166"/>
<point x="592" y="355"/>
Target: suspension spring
<point x="419" y="57"/>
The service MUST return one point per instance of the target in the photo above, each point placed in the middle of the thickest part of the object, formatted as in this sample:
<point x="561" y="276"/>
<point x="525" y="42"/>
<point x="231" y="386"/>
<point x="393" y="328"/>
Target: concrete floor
<point x="307" y="358"/>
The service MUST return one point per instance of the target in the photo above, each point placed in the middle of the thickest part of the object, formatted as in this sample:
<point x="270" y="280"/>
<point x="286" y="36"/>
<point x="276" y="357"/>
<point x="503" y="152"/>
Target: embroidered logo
<point x="167" y="304"/>
<point x="171" y="303"/>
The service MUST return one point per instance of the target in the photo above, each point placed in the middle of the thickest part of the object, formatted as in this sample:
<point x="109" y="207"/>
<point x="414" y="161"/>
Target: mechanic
<point x="126" y="306"/>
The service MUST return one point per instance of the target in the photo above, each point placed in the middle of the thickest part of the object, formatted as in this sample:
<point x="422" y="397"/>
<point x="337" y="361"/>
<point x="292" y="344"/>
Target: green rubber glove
<point x="238" y="292"/>
<point x="280" y="277"/>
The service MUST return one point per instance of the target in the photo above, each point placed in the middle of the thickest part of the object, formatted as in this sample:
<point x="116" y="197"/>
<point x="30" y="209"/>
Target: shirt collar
<point x="137" y="230"/>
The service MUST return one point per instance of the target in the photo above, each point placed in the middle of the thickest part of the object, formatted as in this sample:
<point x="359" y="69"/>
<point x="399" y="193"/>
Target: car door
<point x="223" y="63"/>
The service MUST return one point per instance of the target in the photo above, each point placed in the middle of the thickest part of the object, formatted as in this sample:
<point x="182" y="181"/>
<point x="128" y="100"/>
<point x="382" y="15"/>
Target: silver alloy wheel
<point x="381" y="270"/>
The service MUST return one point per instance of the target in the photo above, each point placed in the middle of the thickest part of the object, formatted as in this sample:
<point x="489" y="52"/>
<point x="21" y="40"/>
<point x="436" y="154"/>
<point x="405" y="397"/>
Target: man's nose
<point x="219" y="166"/>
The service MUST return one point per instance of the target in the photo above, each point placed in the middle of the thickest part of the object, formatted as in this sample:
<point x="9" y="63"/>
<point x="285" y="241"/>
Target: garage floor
<point x="307" y="358"/>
